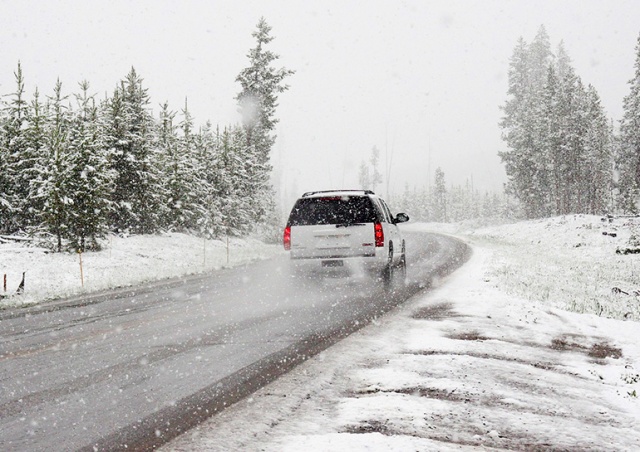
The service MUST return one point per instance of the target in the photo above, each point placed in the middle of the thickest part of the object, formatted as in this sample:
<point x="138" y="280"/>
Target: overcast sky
<point x="421" y="80"/>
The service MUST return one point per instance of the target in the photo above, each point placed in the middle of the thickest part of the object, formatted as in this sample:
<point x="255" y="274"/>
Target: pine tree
<point x="207" y="145"/>
<point x="181" y="171"/>
<point x="524" y="164"/>
<point x="137" y="196"/>
<point x="6" y="210"/>
<point x="114" y="129"/>
<point x="190" y="173"/>
<point x="440" y="203"/>
<point x="261" y="84"/>
<point x="364" y="176"/>
<point x="35" y="135"/>
<point x="540" y="60"/>
<point x="598" y="183"/>
<point x="53" y="173"/>
<point x="540" y="56"/>
<point x="167" y="145"/>
<point x="564" y="151"/>
<point x="628" y="157"/>
<point x="234" y="200"/>
<point x="90" y="181"/>
<point x="376" y="176"/>
<point x="14" y="182"/>
<point x="523" y="124"/>
<point x="550" y="135"/>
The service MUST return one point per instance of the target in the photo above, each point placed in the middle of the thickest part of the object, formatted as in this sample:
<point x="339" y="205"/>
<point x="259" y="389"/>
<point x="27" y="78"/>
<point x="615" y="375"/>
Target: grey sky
<point x="405" y="76"/>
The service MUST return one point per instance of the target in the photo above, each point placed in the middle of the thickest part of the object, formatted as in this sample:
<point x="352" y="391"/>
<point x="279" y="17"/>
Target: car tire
<point x="388" y="271"/>
<point x="402" y="266"/>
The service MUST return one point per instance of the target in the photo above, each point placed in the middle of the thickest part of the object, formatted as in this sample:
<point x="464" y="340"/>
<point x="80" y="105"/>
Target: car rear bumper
<point x="349" y="265"/>
<point x="334" y="253"/>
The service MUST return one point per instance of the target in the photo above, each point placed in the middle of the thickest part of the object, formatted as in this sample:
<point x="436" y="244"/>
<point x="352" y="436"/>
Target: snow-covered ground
<point x="124" y="261"/>
<point x="489" y="359"/>
<point x="533" y="344"/>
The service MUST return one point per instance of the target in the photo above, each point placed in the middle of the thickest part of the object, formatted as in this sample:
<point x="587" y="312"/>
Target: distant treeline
<point x="450" y="204"/>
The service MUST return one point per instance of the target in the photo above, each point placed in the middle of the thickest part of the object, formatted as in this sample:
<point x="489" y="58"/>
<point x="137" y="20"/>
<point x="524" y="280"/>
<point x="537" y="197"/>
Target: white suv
<point x="351" y="229"/>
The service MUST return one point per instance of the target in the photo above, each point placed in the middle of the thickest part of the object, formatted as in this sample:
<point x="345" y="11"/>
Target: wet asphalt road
<point x="135" y="368"/>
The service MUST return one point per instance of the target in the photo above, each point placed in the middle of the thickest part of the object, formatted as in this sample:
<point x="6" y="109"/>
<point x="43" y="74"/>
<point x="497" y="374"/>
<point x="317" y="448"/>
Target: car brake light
<point x="378" y="233"/>
<point x="286" y="239"/>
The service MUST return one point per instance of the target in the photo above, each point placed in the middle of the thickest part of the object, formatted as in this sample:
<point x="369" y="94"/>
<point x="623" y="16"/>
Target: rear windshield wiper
<point x="346" y="225"/>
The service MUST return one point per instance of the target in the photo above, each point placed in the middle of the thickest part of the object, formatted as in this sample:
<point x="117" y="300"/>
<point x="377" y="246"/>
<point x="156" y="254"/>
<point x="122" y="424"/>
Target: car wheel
<point x="402" y="266"/>
<point x="388" y="271"/>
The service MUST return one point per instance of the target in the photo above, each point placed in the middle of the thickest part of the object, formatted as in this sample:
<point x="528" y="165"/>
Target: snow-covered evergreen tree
<point x="172" y="167"/>
<point x="5" y="204"/>
<point x="137" y="195"/>
<point x="628" y="156"/>
<point x="440" y="202"/>
<point x="261" y="84"/>
<point x="583" y="153"/>
<point x="16" y="163"/>
<point x="376" y="176"/>
<point x="51" y="185"/>
<point x="598" y="182"/>
<point x="6" y="210"/>
<point x="364" y="176"/>
<point x="571" y="147"/>
<point x="524" y="162"/>
<point x="369" y="174"/>
<point x="232" y="202"/>
<point x="90" y="181"/>
<point x="550" y="136"/>
<point x="36" y="150"/>
<point x="181" y="167"/>
<point x="207" y="149"/>
<point x="194" y="184"/>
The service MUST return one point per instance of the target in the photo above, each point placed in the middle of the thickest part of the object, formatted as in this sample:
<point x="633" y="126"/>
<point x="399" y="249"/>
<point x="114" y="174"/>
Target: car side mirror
<point x="401" y="218"/>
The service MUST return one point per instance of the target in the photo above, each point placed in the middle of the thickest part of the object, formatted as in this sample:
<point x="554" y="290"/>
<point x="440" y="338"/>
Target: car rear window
<point x="332" y="210"/>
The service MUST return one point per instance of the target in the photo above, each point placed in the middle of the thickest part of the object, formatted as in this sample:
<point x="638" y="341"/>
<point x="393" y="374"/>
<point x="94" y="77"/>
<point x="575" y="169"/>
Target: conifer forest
<point x="75" y="167"/>
<point x="564" y="155"/>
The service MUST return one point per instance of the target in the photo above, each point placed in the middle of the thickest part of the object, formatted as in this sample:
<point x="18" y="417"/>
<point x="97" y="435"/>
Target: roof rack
<point x="310" y="193"/>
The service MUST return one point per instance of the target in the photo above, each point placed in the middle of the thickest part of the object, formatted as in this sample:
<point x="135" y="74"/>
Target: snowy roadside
<point x="124" y="261"/>
<point x="486" y="360"/>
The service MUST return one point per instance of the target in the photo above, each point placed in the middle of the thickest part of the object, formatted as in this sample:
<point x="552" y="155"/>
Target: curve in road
<point x="134" y="369"/>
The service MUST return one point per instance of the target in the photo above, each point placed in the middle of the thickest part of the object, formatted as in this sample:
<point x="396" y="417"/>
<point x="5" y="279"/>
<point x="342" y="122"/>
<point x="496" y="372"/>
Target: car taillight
<point x="286" y="238"/>
<point x="378" y="234"/>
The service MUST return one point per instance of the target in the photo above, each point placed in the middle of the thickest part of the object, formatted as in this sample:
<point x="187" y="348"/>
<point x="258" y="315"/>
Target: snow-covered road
<point x="134" y="368"/>
<point x="465" y="367"/>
